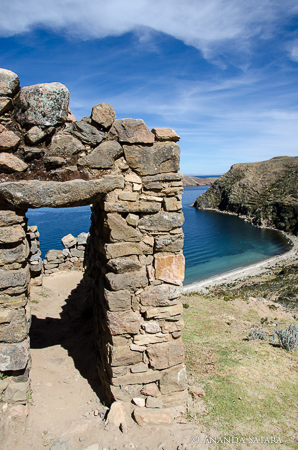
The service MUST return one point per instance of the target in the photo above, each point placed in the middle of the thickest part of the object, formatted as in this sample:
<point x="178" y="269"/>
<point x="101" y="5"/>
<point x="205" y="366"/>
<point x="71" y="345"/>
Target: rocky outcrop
<point x="197" y="181"/>
<point x="133" y="257"/>
<point x="263" y="192"/>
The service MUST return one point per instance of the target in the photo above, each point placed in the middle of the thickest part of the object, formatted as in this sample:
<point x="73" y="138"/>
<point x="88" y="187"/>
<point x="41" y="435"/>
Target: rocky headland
<point x="265" y="193"/>
<point x="197" y="181"/>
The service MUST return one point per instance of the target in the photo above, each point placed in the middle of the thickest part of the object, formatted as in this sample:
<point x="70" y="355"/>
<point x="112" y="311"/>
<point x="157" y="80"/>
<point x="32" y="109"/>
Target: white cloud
<point x="293" y="50"/>
<point x="211" y="26"/>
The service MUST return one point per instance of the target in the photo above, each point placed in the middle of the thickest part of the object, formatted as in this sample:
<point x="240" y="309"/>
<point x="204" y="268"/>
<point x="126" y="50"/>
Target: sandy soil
<point x="65" y="405"/>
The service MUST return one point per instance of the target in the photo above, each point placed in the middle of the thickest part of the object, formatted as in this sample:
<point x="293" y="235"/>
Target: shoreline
<point x="245" y="272"/>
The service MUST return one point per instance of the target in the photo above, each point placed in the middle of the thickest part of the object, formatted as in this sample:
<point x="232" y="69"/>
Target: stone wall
<point x="134" y="258"/>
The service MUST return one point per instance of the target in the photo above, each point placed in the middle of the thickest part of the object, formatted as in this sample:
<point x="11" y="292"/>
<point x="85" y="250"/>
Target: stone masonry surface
<point x="132" y="255"/>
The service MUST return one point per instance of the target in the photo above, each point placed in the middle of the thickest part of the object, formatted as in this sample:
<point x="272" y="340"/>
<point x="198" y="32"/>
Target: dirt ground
<point x="65" y="411"/>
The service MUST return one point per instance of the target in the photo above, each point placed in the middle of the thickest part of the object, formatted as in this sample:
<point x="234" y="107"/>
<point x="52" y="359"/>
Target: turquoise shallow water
<point x="214" y="243"/>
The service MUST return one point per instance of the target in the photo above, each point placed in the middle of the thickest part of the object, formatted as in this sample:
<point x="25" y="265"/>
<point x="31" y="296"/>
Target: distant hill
<point x="265" y="192"/>
<point x="197" y="181"/>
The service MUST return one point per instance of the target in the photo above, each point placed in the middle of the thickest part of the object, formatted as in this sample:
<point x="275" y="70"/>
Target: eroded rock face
<point x="42" y="104"/>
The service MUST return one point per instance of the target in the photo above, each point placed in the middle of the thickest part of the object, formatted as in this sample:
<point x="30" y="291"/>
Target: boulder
<point x="165" y="355"/>
<point x="104" y="155"/>
<point x="42" y="104"/>
<point x="12" y="163"/>
<point x="9" y="83"/>
<point x="8" y="140"/>
<point x="170" y="268"/>
<point x="65" y="145"/>
<point x="123" y="322"/>
<point x="14" y="356"/>
<point x="37" y="194"/>
<point x="86" y="132"/>
<point x="116" y="418"/>
<point x="132" y="131"/>
<point x="103" y="114"/>
<point x="162" y="221"/>
<point x="161" y="157"/>
<point x="35" y="135"/>
<point x="165" y="134"/>
<point x="121" y="231"/>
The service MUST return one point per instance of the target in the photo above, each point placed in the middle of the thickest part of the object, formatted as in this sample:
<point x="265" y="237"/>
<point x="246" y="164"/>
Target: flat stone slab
<point x="37" y="194"/>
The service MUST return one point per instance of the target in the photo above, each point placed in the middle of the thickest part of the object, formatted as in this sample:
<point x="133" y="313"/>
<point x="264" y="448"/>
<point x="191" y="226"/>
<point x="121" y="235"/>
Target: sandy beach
<point x="247" y="271"/>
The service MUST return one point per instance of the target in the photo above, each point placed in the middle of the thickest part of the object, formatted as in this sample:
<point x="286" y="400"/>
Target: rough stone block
<point x="162" y="295"/>
<point x="147" y="339"/>
<point x="150" y="417"/>
<point x="17" y="392"/>
<point x="165" y="355"/>
<point x="127" y="322"/>
<point x="163" y="177"/>
<point x="118" y="300"/>
<point x="175" y="399"/>
<point x="165" y="134"/>
<point x="138" y="206"/>
<point x="52" y="162"/>
<point x="133" y="131"/>
<point x="172" y="204"/>
<point x="151" y="390"/>
<point x="164" y="312"/>
<point x="12" y="163"/>
<point x="9" y="83"/>
<point x="173" y="380"/>
<point x="86" y="132"/>
<point x="124" y="264"/>
<point x="36" y="194"/>
<point x="14" y="356"/>
<point x="5" y="105"/>
<point x="8" y="217"/>
<point x="17" y="329"/>
<point x="13" y="254"/>
<point x="162" y="221"/>
<point x="169" y="243"/>
<point x="152" y="402"/>
<point x="170" y="268"/>
<point x="42" y="104"/>
<point x="65" y="145"/>
<point x="137" y="378"/>
<point x="132" y="219"/>
<point x="122" y="249"/>
<point x="129" y="280"/>
<point x="14" y="278"/>
<point x="104" y="155"/>
<point x="52" y="255"/>
<point x="103" y="114"/>
<point x="133" y="178"/>
<point x="33" y="153"/>
<point x="8" y="140"/>
<point x="69" y="241"/>
<point x="121" y="231"/>
<point x="139" y="368"/>
<point x="82" y="238"/>
<point x="35" y="135"/>
<point x="127" y="196"/>
<point x="151" y="327"/>
<point x="172" y="327"/>
<point x="161" y="157"/>
<point x="123" y="356"/>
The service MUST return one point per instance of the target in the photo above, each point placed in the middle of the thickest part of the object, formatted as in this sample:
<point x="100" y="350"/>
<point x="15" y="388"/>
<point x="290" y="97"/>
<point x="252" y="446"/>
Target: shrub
<point x="288" y="338"/>
<point x="257" y="334"/>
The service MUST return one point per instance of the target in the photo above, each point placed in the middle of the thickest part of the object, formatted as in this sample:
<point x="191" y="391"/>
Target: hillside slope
<point x="265" y="192"/>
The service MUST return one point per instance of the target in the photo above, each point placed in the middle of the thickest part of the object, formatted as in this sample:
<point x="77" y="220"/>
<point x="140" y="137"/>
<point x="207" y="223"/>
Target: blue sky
<point x="222" y="73"/>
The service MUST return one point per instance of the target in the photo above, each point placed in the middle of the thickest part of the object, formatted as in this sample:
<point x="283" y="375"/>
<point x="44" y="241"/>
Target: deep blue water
<point x="214" y="243"/>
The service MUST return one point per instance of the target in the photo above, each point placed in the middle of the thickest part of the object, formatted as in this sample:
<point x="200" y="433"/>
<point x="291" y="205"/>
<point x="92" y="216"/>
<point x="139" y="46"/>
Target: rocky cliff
<point x="265" y="192"/>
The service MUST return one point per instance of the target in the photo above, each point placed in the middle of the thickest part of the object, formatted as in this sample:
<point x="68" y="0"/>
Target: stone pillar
<point x="14" y="314"/>
<point x="136" y="263"/>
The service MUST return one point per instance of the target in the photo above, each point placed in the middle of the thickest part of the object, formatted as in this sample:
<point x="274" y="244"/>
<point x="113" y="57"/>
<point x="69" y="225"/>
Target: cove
<point x="216" y="243"/>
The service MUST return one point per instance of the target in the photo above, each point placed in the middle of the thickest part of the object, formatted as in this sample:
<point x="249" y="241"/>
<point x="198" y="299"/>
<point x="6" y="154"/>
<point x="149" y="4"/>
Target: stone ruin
<point x="134" y="258"/>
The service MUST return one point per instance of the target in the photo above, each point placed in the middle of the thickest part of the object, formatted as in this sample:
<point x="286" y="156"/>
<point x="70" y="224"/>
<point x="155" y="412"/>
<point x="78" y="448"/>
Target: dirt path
<point x="65" y="410"/>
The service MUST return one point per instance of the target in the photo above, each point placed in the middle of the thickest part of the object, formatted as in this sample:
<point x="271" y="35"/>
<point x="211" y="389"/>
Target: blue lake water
<point x="214" y="243"/>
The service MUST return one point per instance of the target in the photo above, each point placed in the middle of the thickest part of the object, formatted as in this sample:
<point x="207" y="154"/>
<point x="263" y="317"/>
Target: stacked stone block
<point x="35" y="260"/>
<point x="70" y="258"/>
<point x="134" y="258"/>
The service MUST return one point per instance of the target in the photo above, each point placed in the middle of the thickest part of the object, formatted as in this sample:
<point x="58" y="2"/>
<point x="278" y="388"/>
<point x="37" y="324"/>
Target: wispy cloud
<point x="213" y="27"/>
